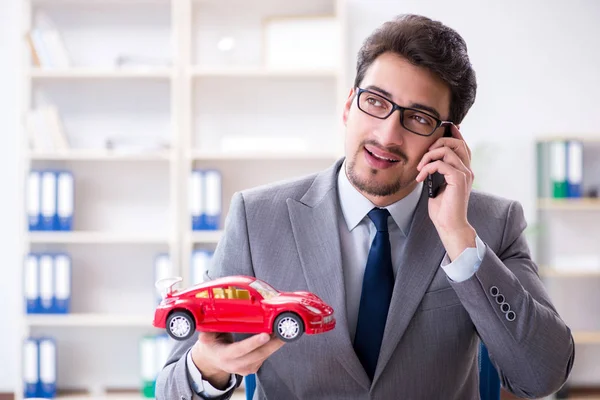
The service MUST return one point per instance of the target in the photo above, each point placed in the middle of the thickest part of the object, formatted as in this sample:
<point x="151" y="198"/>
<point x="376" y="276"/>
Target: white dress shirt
<point x="356" y="234"/>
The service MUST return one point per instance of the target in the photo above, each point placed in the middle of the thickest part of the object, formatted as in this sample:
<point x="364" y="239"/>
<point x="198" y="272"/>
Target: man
<point x="415" y="282"/>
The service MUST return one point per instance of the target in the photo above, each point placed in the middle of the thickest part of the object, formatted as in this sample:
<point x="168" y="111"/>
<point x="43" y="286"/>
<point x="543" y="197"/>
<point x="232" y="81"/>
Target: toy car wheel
<point x="288" y="327"/>
<point x="180" y="325"/>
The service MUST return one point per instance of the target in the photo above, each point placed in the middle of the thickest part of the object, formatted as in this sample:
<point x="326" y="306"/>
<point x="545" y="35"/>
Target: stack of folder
<point x="47" y="283"/>
<point x="154" y="353"/>
<point x="39" y="368"/>
<point x="205" y="199"/>
<point x="560" y="169"/>
<point x="50" y="200"/>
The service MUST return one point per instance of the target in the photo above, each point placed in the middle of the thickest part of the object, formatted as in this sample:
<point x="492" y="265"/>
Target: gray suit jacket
<point x="287" y="234"/>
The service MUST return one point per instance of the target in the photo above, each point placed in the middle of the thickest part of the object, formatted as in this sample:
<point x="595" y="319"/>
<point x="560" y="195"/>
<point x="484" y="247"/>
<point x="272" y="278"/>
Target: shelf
<point x="584" y="139"/>
<point x="89" y="320"/>
<point x="209" y="237"/>
<point x="99" y="2"/>
<point x="101" y="73"/>
<point x="99" y="155"/>
<point x="212" y="156"/>
<point x="96" y="237"/>
<point x="259" y="72"/>
<point x="586" y="337"/>
<point x="575" y="204"/>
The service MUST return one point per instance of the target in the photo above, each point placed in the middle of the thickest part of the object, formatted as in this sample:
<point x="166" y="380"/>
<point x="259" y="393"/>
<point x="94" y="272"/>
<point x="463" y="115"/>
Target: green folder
<point x="148" y="365"/>
<point x="558" y="168"/>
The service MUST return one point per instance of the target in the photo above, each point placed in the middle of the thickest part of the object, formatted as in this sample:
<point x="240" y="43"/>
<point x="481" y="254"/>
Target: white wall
<point x="537" y="64"/>
<point x="10" y="243"/>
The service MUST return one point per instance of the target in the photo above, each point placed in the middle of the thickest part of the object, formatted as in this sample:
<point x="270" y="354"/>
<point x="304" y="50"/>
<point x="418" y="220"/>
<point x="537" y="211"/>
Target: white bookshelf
<point x="132" y="205"/>
<point x="100" y="155"/>
<point x="258" y="72"/>
<point x="81" y="237"/>
<point x="567" y="254"/>
<point x="89" y="320"/>
<point x="101" y="73"/>
<point x="250" y="156"/>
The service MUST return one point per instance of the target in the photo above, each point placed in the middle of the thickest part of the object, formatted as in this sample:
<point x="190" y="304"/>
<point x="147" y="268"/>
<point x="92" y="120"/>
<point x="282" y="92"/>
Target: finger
<point x="457" y="134"/>
<point x="259" y="355"/>
<point x="457" y="145"/>
<point x="452" y="175"/>
<point x="239" y="349"/>
<point x="445" y="154"/>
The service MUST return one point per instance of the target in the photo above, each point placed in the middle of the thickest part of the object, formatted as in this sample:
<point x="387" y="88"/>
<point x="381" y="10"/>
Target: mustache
<point x="393" y="150"/>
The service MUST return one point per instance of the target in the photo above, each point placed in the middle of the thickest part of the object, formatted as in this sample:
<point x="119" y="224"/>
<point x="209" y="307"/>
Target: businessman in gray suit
<point x="415" y="282"/>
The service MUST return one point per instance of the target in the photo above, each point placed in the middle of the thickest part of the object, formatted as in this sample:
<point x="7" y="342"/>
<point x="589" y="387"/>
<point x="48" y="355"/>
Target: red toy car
<point x="240" y="304"/>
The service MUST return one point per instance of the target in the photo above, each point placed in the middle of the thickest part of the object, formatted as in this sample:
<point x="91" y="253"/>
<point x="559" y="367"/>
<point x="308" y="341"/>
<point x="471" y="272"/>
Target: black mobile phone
<point x="436" y="181"/>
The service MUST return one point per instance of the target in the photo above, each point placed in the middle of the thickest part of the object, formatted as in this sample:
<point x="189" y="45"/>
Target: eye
<point x="375" y="102"/>
<point x="421" y="119"/>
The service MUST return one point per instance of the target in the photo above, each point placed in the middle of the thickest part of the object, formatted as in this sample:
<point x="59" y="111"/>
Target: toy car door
<point x="236" y="304"/>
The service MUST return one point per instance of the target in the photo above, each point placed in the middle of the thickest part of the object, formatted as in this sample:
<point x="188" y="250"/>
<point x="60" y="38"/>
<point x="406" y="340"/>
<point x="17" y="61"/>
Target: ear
<point x="348" y="105"/>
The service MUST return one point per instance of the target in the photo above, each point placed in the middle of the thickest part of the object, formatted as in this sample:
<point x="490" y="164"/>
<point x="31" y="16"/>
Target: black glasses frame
<point x="395" y="107"/>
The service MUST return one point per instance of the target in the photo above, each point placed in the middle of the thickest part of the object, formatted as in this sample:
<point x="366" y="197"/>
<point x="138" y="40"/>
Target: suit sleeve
<point x="530" y="345"/>
<point x="232" y="257"/>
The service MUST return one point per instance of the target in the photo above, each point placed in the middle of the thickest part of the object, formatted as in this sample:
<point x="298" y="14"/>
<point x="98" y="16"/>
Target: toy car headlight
<point x="313" y="309"/>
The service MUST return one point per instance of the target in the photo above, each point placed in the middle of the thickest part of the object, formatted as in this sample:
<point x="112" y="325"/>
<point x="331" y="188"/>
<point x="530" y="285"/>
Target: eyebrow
<point x="419" y="106"/>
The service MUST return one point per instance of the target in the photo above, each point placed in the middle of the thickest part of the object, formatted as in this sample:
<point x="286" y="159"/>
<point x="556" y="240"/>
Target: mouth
<point x="379" y="159"/>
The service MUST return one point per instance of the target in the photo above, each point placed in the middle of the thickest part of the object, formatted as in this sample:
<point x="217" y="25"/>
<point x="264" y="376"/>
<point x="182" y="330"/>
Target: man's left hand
<point x="451" y="157"/>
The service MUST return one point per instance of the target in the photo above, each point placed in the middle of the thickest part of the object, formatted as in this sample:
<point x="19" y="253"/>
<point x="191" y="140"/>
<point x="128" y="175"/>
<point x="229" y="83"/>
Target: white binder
<point x="65" y="200"/>
<point x="574" y="168"/>
<point x="30" y="367"/>
<point x="196" y="199"/>
<point x="212" y="184"/>
<point x="200" y="263"/>
<point x="46" y="263"/>
<point x="48" y="364"/>
<point x="34" y="183"/>
<point x="62" y="283"/>
<point x="32" y="283"/>
<point x="48" y="206"/>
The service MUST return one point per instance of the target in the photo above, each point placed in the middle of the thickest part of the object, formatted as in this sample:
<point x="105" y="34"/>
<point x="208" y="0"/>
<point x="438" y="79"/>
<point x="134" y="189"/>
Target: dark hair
<point x="428" y="44"/>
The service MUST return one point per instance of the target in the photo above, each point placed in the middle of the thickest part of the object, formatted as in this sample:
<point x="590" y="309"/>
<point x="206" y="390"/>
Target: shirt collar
<point x="355" y="206"/>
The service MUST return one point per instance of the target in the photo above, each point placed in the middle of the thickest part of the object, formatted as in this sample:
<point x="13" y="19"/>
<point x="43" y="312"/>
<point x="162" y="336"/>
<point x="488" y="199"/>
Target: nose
<point x="390" y="131"/>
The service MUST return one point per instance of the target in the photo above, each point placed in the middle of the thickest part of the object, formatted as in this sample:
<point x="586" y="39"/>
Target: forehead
<point x="408" y="84"/>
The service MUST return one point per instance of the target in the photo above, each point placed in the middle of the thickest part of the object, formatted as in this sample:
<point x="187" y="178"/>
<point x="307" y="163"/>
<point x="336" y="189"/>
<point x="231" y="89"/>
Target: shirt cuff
<point x="466" y="264"/>
<point x="202" y="387"/>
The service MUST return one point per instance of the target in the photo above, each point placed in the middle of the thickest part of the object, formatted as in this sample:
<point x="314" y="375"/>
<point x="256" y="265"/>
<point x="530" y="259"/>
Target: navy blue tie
<point x="378" y="284"/>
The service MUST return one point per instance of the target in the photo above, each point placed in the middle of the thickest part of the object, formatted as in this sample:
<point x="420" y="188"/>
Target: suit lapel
<point x="314" y="222"/>
<point x="421" y="258"/>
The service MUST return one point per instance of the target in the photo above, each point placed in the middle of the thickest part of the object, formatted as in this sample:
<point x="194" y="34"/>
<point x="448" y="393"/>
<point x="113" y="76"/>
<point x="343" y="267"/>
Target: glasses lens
<point x="374" y="105"/>
<point x="419" y="122"/>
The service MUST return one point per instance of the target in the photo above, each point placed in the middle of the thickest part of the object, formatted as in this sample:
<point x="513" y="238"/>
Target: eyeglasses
<point x="413" y="120"/>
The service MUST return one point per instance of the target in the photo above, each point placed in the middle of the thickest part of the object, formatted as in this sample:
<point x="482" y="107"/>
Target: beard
<point x="369" y="185"/>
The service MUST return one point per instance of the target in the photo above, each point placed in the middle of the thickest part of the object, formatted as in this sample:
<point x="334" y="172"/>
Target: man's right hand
<point x="217" y="356"/>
